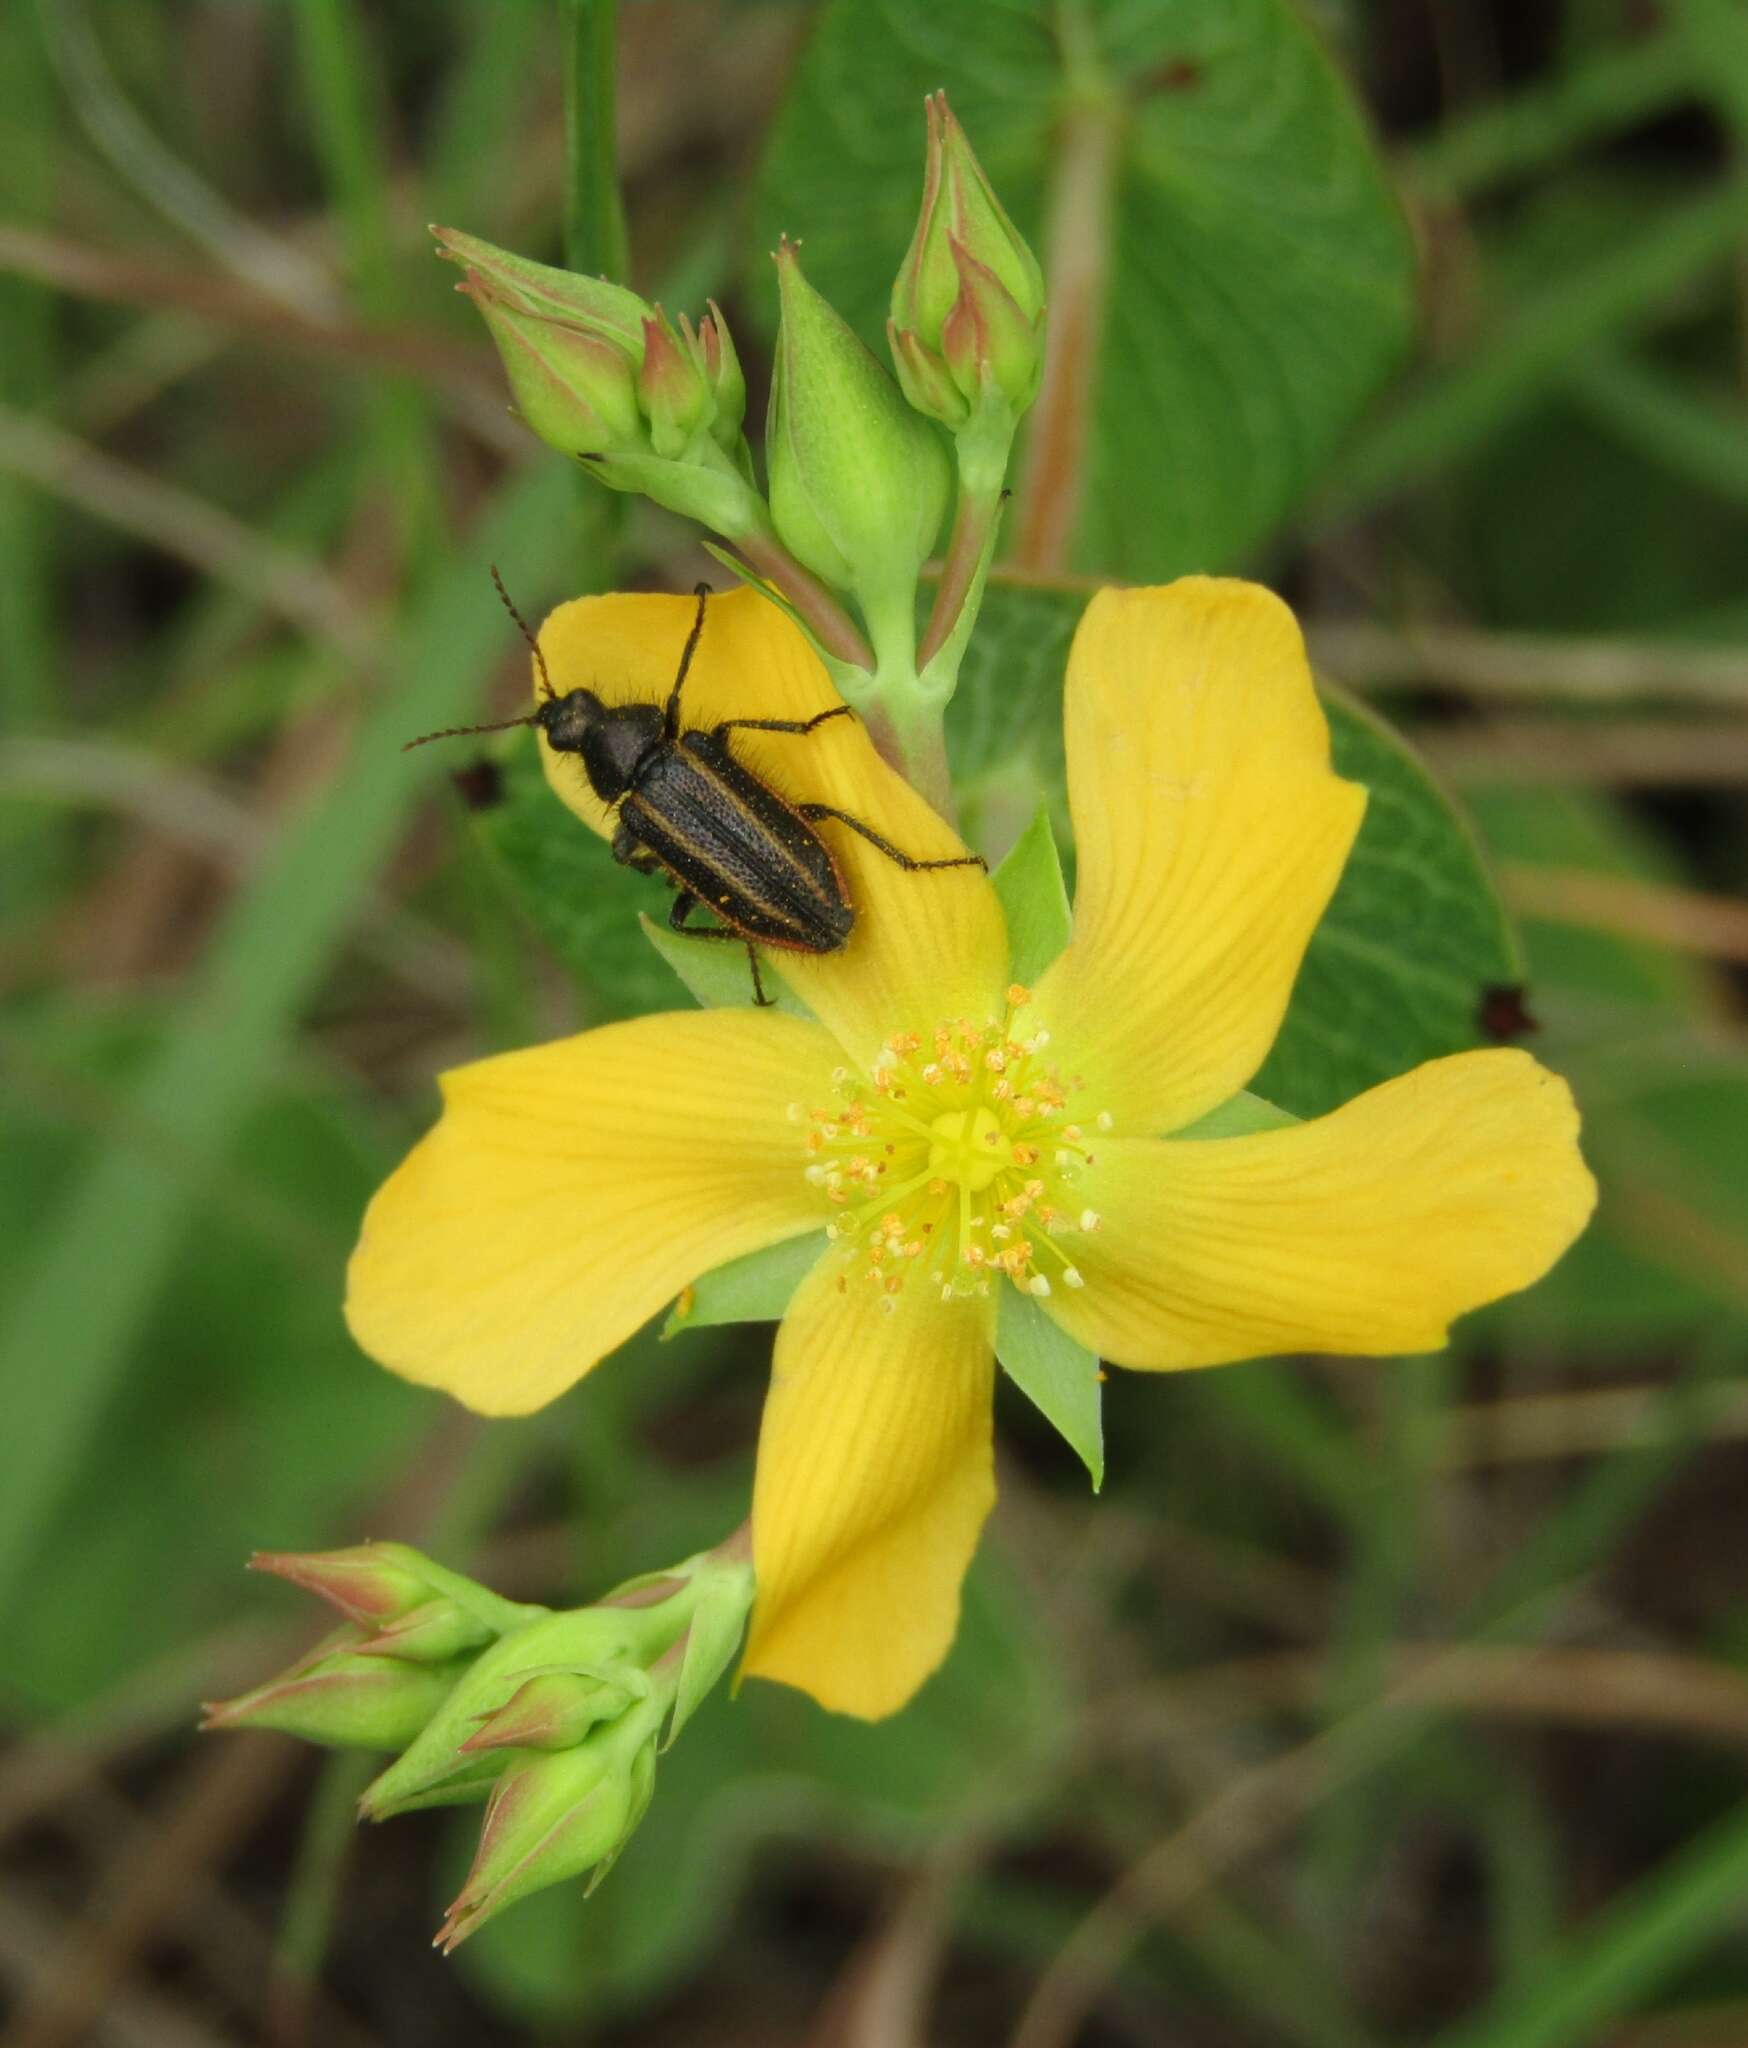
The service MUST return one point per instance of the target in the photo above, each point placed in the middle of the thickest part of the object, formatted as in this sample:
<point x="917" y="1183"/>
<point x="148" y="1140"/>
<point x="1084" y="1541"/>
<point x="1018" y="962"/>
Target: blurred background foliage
<point x="1368" y="1705"/>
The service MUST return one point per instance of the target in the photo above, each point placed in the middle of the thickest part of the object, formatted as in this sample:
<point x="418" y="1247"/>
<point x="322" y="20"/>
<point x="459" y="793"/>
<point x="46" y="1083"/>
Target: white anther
<point x="1090" y="1219"/>
<point x="1038" y="1285"/>
<point x="1071" y="1277"/>
<point x="1104" y="1120"/>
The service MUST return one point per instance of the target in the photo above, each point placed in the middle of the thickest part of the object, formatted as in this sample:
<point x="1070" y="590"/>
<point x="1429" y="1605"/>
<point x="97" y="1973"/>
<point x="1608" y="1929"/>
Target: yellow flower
<point x="958" y="1134"/>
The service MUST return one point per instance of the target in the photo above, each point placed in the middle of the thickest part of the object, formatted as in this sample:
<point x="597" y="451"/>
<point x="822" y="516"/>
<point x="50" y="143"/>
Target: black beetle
<point x="688" y="809"/>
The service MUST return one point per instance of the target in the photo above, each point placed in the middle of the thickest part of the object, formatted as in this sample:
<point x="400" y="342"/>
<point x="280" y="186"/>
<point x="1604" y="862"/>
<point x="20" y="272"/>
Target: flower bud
<point x="432" y="1633"/>
<point x="554" y="1816"/>
<point x="372" y="1584"/>
<point x="603" y="377"/>
<point x="410" y="1606"/>
<point x="554" y="1710"/>
<point x="342" y="1698"/>
<point x="715" y="348"/>
<point x="571" y="346"/>
<point x="991" y="349"/>
<point x="968" y="302"/>
<point x="859" y="482"/>
<point x="671" y="389"/>
<point x="609" y="1643"/>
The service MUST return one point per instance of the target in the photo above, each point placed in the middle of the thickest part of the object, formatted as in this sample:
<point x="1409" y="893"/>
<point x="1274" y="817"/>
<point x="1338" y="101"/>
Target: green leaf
<point x="1258" y="274"/>
<point x="584" y="904"/>
<point x="1240" y="1116"/>
<point x="1034" y="899"/>
<point x="1415" y="934"/>
<point x="717" y="973"/>
<point x="1057" y="1375"/>
<point x="756" y="1288"/>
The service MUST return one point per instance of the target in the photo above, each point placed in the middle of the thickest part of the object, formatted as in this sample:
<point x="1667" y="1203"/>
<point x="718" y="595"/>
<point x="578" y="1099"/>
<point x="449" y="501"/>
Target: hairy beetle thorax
<point x="612" y="742"/>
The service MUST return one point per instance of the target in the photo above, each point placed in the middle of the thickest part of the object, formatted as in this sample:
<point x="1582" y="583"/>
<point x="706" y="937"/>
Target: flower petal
<point x="925" y="946"/>
<point x="569" y="1191"/>
<point x="1210" y="831"/>
<point x="1362" y="1232"/>
<point x="875" y="1475"/>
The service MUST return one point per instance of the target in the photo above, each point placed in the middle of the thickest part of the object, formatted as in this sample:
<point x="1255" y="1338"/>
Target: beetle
<point x="726" y="841"/>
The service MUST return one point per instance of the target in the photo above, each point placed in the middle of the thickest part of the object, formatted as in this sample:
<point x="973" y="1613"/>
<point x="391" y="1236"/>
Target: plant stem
<point x="812" y="602"/>
<point x="594" y="226"/>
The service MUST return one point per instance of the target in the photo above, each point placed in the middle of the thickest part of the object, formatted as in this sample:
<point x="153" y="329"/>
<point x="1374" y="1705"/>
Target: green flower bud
<point x="859" y="483"/>
<point x="554" y="1816"/>
<point x="412" y="1607"/>
<point x="431" y="1634"/>
<point x="714" y="346"/>
<point x="342" y="1698"/>
<point x="571" y="346"/>
<point x="603" y="377"/>
<point x="611" y="1643"/>
<point x="991" y="349"/>
<point x="553" y="1710"/>
<point x="372" y="1584"/>
<point x="968" y="302"/>
<point x="671" y="388"/>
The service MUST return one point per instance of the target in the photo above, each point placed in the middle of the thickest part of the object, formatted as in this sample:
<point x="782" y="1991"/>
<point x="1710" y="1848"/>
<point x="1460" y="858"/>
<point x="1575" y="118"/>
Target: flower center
<point x="953" y="1163"/>
<point x="967" y="1147"/>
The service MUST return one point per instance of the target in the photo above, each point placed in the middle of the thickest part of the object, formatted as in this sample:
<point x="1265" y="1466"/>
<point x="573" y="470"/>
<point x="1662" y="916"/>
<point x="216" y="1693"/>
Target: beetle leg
<point x="671" y="715"/>
<point x="630" y="853"/>
<point x="729" y="725"/>
<point x="683" y="906"/>
<point x="904" y="860"/>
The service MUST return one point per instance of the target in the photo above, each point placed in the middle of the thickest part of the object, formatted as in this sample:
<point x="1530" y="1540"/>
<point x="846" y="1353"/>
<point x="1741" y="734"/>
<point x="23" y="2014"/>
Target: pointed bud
<point x="342" y="1698"/>
<point x="671" y="389"/>
<point x="969" y="276"/>
<point x="372" y="1584"/>
<point x="432" y="1633"/>
<point x="553" y="1817"/>
<point x="723" y="371"/>
<point x="859" y="482"/>
<point x="552" y="1711"/>
<point x="990" y="348"/>
<point x="959" y="205"/>
<point x="613" y="1642"/>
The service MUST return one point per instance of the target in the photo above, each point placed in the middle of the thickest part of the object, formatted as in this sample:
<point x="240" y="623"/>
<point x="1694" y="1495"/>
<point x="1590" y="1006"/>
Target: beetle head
<point x="611" y="742"/>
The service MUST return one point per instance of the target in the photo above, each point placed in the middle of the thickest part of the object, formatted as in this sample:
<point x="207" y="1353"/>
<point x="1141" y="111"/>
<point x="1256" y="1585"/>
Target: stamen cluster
<point x="954" y="1161"/>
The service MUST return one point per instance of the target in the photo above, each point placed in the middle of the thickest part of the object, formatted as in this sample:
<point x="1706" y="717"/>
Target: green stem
<point x="981" y="450"/>
<point x="596" y="243"/>
<point x="812" y="603"/>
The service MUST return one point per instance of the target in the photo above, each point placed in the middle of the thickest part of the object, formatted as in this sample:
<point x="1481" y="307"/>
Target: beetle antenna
<point x="671" y="716"/>
<point x="456" y="732"/>
<point x="533" y="644"/>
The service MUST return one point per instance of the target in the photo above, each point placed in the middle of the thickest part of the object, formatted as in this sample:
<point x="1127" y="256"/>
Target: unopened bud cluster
<point x="554" y="1719"/>
<point x="861" y="469"/>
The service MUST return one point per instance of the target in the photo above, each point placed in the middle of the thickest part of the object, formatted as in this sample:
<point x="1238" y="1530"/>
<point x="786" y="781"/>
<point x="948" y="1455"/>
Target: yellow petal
<point x="924" y="946"/>
<point x="1362" y="1232"/>
<point x="1210" y="831"/>
<point x="570" y="1190"/>
<point x="874" y="1479"/>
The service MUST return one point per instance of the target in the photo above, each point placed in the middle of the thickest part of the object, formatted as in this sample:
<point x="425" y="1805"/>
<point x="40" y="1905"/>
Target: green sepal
<point x="716" y="976"/>
<point x="704" y="485"/>
<point x="717" y="1623"/>
<point x="1057" y="1375"/>
<point x="756" y="1288"/>
<point x="1034" y="899"/>
<point x="1239" y="1116"/>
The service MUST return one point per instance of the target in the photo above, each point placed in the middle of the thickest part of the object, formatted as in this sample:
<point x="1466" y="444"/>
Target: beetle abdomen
<point x="737" y="846"/>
